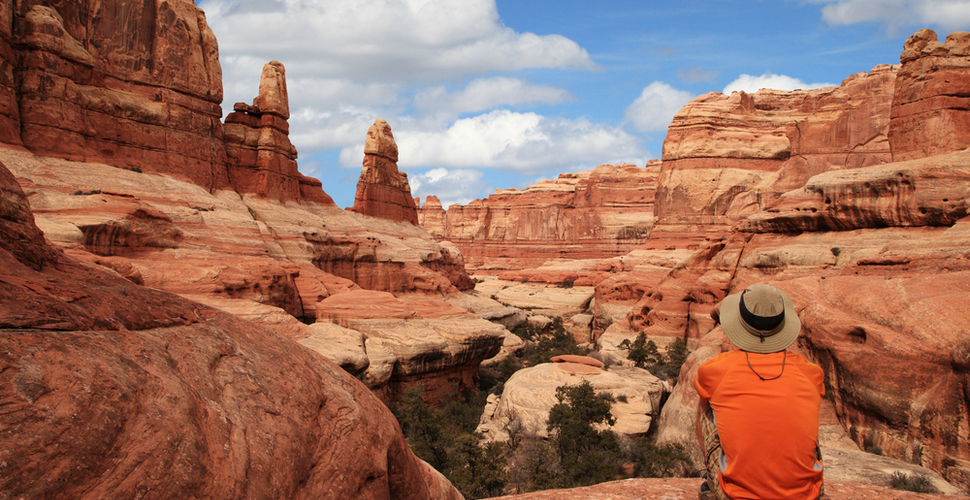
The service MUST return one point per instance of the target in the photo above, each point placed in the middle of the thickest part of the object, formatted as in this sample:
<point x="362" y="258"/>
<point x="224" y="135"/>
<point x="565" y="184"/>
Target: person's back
<point x="764" y="403"/>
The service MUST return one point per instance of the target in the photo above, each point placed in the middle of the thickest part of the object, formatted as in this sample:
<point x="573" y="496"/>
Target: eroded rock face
<point x="383" y="191"/>
<point x="139" y="86"/>
<point x="529" y="394"/>
<point x="597" y="214"/>
<point x="117" y="390"/>
<point x="931" y="108"/>
<point x="727" y="157"/>
<point x="267" y="262"/>
<point x="415" y="341"/>
<point x="133" y="85"/>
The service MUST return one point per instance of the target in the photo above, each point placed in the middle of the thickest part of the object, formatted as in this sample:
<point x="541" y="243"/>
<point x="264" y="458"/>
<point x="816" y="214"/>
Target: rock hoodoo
<point x="261" y="159"/>
<point x="383" y="191"/>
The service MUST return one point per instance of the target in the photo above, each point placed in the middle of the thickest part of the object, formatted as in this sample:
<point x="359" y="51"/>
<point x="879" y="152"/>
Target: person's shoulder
<point x="810" y="369"/>
<point x="722" y="361"/>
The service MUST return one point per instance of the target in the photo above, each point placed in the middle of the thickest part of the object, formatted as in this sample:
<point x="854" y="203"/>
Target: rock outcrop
<point x="530" y="394"/>
<point x="139" y="87"/>
<point x="931" y="97"/>
<point x="726" y="157"/>
<point x="382" y="190"/>
<point x="114" y="390"/>
<point x="596" y="214"/>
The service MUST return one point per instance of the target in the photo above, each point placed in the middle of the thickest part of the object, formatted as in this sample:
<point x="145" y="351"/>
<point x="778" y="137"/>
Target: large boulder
<point x="529" y="394"/>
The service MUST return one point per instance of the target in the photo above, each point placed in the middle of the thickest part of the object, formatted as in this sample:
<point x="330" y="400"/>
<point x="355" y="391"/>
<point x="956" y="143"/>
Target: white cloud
<point x="949" y="15"/>
<point x="487" y="93"/>
<point x="752" y="84"/>
<point x="384" y="40"/>
<point x="450" y="186"/>
<point x="526" y="143"/>
<point x="656" y="106"/>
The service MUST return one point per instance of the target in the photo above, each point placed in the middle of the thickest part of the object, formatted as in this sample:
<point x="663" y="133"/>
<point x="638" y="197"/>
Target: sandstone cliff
<point x="601" y="213"/>
<point x="114" y="390"/>
<point x="139" y="86"/>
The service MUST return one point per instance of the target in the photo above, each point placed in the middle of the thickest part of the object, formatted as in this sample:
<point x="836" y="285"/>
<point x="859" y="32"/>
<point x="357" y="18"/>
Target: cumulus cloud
<point x="656" y="106"/>
<point x="389" y="40"/>
<point x="949" y="15"/>
<point x="487" y="93"/>
<point x="751" y="84"/>
<point x="450" y="186"/>
<point x="525" y="143"/>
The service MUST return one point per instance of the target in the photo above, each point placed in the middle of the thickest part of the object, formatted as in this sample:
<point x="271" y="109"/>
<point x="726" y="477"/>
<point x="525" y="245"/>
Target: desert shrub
<point x="651" y="460"/>
<point x="567" y="283"/>
<point x="548" y="346"/>
<point x="444" y="437"/>
<point x="586" y="455"/>
<point x="645" y="354"/>
<point x="917" y="482"/>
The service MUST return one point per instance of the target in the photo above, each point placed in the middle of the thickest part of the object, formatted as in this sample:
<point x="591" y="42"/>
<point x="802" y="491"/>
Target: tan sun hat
<point x="760" y="319"/>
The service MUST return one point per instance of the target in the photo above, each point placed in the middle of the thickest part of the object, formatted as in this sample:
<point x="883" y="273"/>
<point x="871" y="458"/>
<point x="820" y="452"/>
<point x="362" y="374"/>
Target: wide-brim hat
<point x="760" y="319"/>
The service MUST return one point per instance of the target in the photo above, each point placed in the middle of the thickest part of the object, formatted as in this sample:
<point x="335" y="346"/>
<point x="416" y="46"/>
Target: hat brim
<point x="747" y="338"/>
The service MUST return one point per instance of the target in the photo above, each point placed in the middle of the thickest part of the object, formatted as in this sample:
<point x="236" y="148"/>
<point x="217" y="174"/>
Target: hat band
<point x="762" y="323"/>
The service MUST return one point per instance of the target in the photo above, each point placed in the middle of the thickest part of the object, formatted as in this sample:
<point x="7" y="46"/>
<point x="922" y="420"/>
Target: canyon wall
<point x="601" y="213"/>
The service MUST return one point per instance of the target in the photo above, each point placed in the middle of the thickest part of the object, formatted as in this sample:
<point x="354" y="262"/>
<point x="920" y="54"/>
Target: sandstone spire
<point x="261" y="158"/>
<point x="382" y="190"/>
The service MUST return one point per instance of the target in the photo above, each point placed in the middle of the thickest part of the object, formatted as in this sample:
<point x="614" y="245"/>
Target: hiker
<point x="758" y="416"/>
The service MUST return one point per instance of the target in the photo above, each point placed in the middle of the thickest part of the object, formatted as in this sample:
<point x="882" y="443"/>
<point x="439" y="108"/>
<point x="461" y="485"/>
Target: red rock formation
<point x="113" y="390"/>
<point x="136" y="87"/>
<point x="382" y="190"/>
<point x="261" y="158"/>
<point x="727" y="157"/>
<point x="595" y="214"/>
<point x="931" y="108"/>
<point x="139" y="87"/>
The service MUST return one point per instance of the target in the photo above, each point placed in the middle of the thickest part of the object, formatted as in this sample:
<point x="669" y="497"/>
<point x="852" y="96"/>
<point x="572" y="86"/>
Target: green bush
<point x="918" y="482"/>
<point x="586" y="455"/>
<point x="645" y="354"/>
<point x="671" y="460"/>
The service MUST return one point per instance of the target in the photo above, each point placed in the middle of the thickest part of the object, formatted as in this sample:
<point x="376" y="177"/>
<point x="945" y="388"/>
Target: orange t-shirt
<point x="768" y="428"/>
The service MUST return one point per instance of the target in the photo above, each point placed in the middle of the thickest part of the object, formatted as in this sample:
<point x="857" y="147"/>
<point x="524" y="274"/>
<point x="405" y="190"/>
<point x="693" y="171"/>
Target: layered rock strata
<point x="382" y="190"/>
<point x="114" y="390"/>
<point x="726" y="157"/>
<point x="597" y="214"/>
<point x="93" y="81"/>
<point x="139" y="87"/>
<point x="931" y="98"/>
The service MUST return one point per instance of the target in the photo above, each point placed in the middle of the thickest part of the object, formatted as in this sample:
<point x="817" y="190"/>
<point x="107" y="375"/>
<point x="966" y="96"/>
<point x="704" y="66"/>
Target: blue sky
<point x="486" y="94"/>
